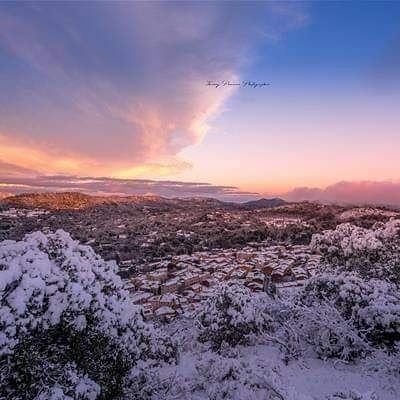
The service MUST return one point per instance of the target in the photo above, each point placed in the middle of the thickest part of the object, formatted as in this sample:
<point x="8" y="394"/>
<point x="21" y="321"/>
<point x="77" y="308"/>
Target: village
<point x="174" y="286"/>
<point x="170" y="256"/>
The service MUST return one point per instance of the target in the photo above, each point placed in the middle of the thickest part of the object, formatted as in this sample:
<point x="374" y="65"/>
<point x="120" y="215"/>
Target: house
<point x="238" y="274"/>
<point x="140" y="297"/>
<point x="255" y="276"/>
<point x="165" y="313"/>
<point x="147" y="311"/>
<point x="169" y="300"/>
<point x="242" y="256"/>
<point x="154" y="302"/>
<point x="267" y="269"/>
<point x="197" y="288"/>
<point x="160" y="275"/>
<point x="277" y="276"/>
<point x="255" y="286"/>
<point x="171" y="286"/>
<point x="190" y="278"/>
<point x="153" y="287"/>
<point x="246" y="267"/>
<point x="129" y="286"/>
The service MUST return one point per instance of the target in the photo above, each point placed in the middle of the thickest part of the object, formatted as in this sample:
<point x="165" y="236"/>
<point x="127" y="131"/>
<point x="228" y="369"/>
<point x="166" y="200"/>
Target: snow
<point x="200" y="376"/>
<point x="335" y="338"/>
<point x="313" y="378"/>
<point x="51" y="283"/>
<point x="371" y="252"/>
<point x="366" y="212"/>
<point x="164" y="311"/>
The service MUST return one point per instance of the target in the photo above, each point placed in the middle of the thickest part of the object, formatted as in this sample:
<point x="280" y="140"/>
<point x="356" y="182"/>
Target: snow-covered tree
<point x="371" y="306"/>
<point x="150" y="380"/>
<point x="67" y="327"/>
<point x="232" y="378"/>
<point x="231" y="315"/>
<point x="373" y="253"/>
<point x="323" y="330"/>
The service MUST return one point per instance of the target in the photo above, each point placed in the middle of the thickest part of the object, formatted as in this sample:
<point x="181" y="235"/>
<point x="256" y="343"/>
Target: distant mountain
<point x="51" y="201"/>
<point x="76" y="201"/>
<point x="264" y="203"/>
<point x="4" y="195"/>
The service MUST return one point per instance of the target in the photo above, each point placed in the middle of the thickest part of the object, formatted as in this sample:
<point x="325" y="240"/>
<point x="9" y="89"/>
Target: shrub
<point x="71" y="385"/>
<point x="373" y="253"/>
<point x="231" y="315"/>
<point x="372" y="307"/>
<point x="385" y="361"/>
<point x="150" y="380"/>
<point x="329" y="334"/>
<point x="66" y="322"/>
<point x="353" y="395"/>
<point x="225" y="378"/>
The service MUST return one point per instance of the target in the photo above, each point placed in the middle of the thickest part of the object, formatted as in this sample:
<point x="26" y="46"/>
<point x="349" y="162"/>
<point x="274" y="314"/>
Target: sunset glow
<point x="125" y="95"/>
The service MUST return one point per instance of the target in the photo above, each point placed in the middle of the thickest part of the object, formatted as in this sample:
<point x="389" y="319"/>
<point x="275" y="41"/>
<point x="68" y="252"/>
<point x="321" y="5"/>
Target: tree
<point x="68" y="329"/>
<point x="372" y="307"/>
<point x="231" y="315"/>
<point x="373" y="253"/>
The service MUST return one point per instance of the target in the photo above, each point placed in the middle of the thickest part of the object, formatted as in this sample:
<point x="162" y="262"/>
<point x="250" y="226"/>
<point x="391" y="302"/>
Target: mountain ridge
<point x="79" y="200"/>
<point x="265" y="203"/>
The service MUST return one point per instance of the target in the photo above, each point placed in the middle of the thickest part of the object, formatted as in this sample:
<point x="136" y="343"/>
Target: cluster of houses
<point x="171" y="287"/>
<point x="283" y="221"/>
<point x="360" y="212"/>
<point x="21" y="212"/>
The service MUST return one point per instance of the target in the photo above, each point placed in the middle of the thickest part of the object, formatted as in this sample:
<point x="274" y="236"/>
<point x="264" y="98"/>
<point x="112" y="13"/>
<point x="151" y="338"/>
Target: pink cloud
<point x="123" y="84"/>
<point x="362" y="192"/>
<point x="15" y="180"/>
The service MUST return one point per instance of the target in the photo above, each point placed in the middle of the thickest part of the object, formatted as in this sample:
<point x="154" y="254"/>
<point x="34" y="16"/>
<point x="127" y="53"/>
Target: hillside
<point x="78" y="201"/>
<point x="264" y="203"/>
<point x="52" y="201"/>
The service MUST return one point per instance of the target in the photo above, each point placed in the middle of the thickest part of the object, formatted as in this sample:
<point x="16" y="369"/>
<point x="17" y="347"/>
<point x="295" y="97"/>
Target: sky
<point x="112" y="97"/>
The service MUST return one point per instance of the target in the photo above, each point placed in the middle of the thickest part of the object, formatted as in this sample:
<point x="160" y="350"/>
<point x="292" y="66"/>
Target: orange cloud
<point x="27" y="156"/>
<point x="37" y="161"/>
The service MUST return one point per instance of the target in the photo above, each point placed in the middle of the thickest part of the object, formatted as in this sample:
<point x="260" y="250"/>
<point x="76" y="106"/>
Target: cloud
<point x="14" y="171"/>
<point x="363" y="192"/>
<point x="14" y="180"/>
<point x="109" y="87"/>
<point x="53" y="161"/>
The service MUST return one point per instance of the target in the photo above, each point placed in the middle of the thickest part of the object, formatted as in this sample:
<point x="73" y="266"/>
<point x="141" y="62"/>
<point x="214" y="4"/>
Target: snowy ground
<point x="305" y="379"/>
<point x="236" y="345"/>
<point x="318" y="379"/>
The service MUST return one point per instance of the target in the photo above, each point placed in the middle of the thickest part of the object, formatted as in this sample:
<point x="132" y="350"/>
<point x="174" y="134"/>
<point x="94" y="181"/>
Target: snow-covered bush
<point x="353" y="395"/>
<point x="72" y="386"/>
<point x="373" y="253"/>
<point x="385" y="362"/>
<point x="372" y="307"/>
<point x="66" y="324"/>
<point x="225" y="378"/>
<point x="328" y="333"/>
<point x="150" y="380"/>
<point x="231" y="315"/>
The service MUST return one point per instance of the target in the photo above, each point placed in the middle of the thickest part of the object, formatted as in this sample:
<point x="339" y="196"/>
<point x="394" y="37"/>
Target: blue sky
<point x="332" y="106"/>
<point x="344" y="38"/>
